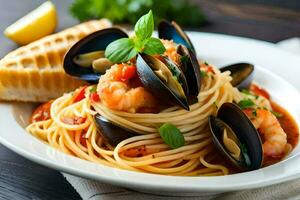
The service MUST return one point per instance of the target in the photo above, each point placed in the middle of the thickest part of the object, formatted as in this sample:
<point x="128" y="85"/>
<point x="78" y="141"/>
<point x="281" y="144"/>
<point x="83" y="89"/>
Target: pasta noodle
<point x="196" y="158"/>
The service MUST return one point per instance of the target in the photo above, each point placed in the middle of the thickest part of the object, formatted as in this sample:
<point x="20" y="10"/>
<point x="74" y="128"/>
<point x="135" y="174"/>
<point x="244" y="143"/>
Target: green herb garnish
<point x="254" y="113"/>
<point x="128" y="11"/>
<point x="93" y="89"/>
<point x="247" y="92"/>
<point x="124" y="49"/>
<point x="246" y="103"/>
<point x="277" y="114"/>
<point x="203" y="74"/>
<point x="171" y="135"/>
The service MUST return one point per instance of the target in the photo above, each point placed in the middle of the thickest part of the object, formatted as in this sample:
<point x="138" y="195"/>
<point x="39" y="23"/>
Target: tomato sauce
<point x="289" y="126"/>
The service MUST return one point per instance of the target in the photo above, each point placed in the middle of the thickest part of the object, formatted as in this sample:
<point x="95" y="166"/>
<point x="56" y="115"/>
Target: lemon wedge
<point x="35" y="25"/>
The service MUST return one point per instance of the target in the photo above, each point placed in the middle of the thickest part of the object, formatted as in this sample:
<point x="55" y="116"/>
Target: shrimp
<point x="117" y="90"/>
<point x="274" y="137"/>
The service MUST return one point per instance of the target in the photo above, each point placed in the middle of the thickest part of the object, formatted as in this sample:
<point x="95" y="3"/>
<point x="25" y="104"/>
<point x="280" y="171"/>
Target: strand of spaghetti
<point x="169" y="170"/>
<point x="201" y="171"/>
<point x="153" y="160"/>
<point x="168" y="164"/>
<point x="53" y="138"/>
<point x="208" y="165"/>
<point x="59" y="116"/>
<point x="203" y="152"/>
<point x="214" y="174"/>
<point x="77" y="135"/>
<point x="196" y="137"/>
<point x="104" y="153"/>
<point x="102" y="110"/>
<point x="173" y="151"/>
<point x="180" y="152"/>
<point x="63" y="146"/>
<point x="193" y="166"/>
<point x="141" y="143"/>
<point x="100" y="160"/>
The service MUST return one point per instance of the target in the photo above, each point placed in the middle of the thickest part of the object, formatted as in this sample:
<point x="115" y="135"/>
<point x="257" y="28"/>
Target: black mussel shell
<point x="191" y="69"/>
<point x="96" y="41"/>
<point x="111" y="132"/>
<point x="232" y="116"/>
<point x="241" y="73"/>
<point x="172" y="31"/>
<point x="156" y="86"/>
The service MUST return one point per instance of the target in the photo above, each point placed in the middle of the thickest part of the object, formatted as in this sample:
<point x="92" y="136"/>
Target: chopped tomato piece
<point x="41" y="113"/>
<point x="128" y="72"/>
<point x="83" y="140"/>
<point x="248" y="111"/>
<point x="210" y="69"/>
<point x="139" y="151"/>
<point x="80" y="95"/>
<point x="259" y="91"/>
<point x="136" y="152"/>
<point x="95" y="97"/>
<point x="74" y="120"/>
<point x="207" y="67"/>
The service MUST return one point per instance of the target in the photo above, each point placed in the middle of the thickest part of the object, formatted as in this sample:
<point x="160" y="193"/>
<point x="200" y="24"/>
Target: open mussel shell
<point x="164" y="79"/>
<point x="231" y="120"/>
<point x="191" y="69"/>
<point x="172" y="31"/>
<point x="241" y="73"/>
<point x="95" y="42"/>
<point x="111" y="132"/>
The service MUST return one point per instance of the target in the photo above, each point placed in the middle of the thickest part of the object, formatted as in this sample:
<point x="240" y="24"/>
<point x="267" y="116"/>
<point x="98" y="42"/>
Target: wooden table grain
<point x="272" y="21"/>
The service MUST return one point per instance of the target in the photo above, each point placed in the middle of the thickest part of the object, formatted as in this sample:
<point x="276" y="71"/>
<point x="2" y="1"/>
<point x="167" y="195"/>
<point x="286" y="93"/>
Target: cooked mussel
<point x="191" y="69"/>
<point x="172" y="31"/>
<point x="163" y="78"/>
<point x="241" y="73"/>
<point x="86" y="60"/>
<point x="236" y="138"/>
<point x="112" y="132"/>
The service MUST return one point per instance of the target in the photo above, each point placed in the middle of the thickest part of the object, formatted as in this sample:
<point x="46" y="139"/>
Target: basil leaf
<point x="171" y="135"/>
<point x="121" y="50"/>
<point x="144" y="27"/>
<point x="153" y="46"/>
<point x="246" y="103"/>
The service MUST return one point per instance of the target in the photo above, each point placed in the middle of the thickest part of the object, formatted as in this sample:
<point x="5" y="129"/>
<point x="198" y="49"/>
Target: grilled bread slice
<point x="34" y="73"/>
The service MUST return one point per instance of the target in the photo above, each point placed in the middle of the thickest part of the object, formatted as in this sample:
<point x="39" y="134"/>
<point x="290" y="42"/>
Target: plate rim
<point x="156" y="186"/>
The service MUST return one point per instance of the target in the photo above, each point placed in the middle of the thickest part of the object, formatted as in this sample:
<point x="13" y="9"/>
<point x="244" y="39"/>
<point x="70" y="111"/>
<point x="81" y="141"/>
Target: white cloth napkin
<point x="93" y="190"/>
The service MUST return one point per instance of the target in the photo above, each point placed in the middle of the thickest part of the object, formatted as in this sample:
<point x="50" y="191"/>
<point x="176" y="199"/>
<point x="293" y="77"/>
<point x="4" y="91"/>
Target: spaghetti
<point x="72" y="129"/>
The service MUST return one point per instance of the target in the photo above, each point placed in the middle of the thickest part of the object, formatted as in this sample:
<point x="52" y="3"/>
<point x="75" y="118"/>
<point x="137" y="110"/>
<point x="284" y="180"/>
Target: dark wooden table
<point x="271" y="21"/>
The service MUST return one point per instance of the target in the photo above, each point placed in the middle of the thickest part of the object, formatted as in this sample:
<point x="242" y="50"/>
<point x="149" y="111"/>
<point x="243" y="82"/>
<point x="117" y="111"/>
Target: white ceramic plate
<point x="217" y="49"/>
